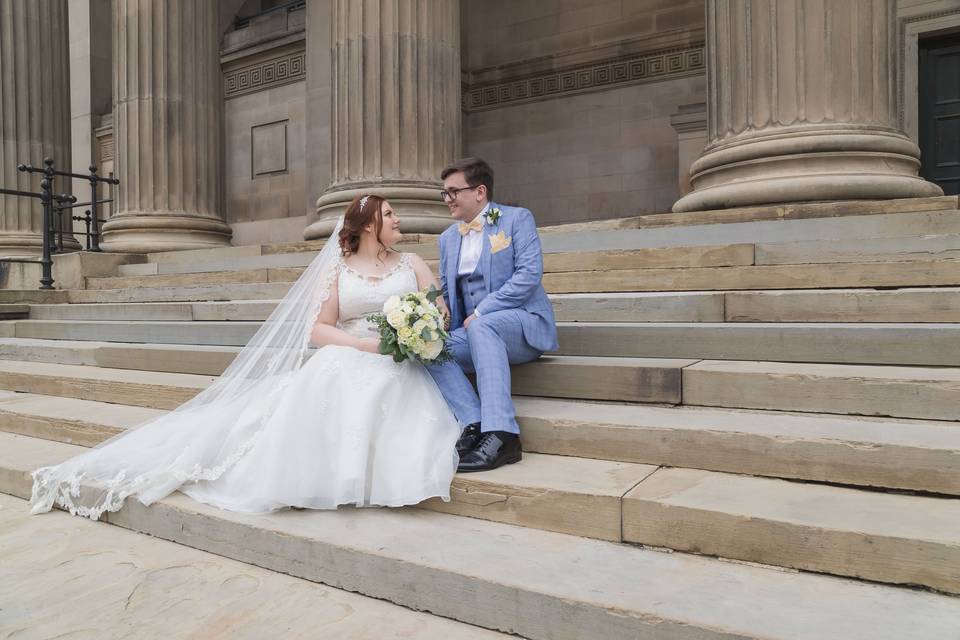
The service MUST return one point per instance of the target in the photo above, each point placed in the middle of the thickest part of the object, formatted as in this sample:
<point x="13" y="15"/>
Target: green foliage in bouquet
<point x="411" y="326"/>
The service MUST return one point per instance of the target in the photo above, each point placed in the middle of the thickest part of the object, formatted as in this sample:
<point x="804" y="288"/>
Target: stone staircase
<point x="737" y="439"/>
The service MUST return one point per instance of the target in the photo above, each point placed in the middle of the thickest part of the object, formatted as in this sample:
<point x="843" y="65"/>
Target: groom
<point x="491" y="266"/>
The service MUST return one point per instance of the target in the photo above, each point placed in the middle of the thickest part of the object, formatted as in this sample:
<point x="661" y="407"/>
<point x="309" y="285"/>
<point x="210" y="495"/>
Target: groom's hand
<point x="470" y="318"/>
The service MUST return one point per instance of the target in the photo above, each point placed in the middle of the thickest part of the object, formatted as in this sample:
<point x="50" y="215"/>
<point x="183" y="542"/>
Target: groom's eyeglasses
<point x="451" y="194"/>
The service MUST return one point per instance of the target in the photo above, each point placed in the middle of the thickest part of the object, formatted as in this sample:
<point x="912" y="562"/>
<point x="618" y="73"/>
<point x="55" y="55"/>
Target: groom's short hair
<point x="475" y="172"/>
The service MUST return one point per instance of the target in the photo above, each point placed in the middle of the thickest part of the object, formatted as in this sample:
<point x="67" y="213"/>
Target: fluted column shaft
<point x="395" y="120"/>
<point x="34" y="113"/>
<point x="802" y="106"/>
<point x="168" y="126"/>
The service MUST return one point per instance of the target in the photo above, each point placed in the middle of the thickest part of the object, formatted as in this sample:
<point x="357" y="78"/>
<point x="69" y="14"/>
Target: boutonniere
<point x="492" y="216"/>
<point x="499" y="242"/>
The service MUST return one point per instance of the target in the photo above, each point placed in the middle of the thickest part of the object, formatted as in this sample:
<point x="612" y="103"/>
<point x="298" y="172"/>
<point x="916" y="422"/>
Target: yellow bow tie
<point x="476" y="225"/>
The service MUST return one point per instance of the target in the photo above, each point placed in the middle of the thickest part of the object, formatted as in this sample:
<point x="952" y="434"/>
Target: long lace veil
<point x="204" y="437"/>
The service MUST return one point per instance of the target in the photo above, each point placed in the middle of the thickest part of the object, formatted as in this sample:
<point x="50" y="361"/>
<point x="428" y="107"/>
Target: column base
<point x="419" y="206"/>
<point x="806" y="166"/>
<point x="30" y="245"/>
<point x="151" y="232"/>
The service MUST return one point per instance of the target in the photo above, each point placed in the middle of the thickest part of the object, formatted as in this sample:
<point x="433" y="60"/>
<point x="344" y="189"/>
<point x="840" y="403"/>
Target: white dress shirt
<point x="471" y="246"/>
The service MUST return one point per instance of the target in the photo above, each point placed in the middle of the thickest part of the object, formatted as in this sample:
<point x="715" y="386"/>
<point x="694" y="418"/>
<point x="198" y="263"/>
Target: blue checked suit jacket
<point x="511" y="277"/>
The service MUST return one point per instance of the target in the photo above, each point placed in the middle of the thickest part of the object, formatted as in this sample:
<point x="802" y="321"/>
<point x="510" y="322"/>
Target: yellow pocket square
<point x="499" y="242"/>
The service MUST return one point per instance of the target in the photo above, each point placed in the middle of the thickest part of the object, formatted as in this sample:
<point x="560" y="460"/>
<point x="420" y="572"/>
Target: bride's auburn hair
<point x="359" y="216"/>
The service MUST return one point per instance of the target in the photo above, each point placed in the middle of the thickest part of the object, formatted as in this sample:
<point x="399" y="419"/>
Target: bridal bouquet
<point x="411" y="326"/>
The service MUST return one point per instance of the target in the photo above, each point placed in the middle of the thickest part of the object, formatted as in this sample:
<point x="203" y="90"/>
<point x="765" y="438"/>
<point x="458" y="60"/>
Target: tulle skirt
<point x="349" y="427"/>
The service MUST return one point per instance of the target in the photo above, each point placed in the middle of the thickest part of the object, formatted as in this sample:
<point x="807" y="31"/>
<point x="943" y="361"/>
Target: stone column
<point x="168" y="127"/>
<point x="395" y="120"/>
<point x="802" y="106"/>
<point x="34" y="114"/>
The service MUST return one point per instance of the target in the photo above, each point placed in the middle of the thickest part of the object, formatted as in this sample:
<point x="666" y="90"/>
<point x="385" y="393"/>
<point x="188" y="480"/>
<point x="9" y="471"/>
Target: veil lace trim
<point x="206" y="436"/>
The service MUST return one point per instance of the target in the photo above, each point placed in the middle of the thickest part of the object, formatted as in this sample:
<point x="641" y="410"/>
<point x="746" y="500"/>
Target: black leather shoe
<point x="493" y="450"/>
<point x="468" y="439"/>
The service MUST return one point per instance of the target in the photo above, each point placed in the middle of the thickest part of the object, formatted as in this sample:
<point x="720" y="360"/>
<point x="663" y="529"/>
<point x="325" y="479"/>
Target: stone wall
<point x="264" y="70"/>
<point x="571" y="101"/>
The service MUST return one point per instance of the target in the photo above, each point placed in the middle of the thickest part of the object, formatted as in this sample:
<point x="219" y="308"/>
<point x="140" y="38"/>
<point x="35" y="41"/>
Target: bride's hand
<point x="445" y="312"/>
<point x="370" y="345"/>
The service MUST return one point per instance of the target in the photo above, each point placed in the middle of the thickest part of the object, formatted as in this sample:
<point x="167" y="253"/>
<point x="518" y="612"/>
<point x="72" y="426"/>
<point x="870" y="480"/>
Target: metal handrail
<point x="93" y="236"/>
<point x="53" y="207"/>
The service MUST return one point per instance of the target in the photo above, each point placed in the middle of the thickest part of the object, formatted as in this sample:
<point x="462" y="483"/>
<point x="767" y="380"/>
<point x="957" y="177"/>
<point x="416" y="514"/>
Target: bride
<point x="347" y="426"/>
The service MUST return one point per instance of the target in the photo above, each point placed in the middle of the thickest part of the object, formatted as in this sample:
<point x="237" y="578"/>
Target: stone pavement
<point x="67" y="577"/>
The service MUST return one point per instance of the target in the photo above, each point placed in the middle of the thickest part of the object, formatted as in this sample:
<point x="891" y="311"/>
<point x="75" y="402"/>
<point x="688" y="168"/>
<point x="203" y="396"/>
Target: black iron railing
<point x="54" y="205"/>
<point x="91" y="216"/>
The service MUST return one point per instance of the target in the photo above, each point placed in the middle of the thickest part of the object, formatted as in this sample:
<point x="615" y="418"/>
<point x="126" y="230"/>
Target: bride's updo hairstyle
<point x="361" y="212"/>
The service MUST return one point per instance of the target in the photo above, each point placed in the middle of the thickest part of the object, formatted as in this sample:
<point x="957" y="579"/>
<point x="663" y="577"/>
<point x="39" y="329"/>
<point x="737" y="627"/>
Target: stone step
<point x="86" y="423"/>
<point x="900" y="454"/>
<point x="909" y="392"/>
<point x="568" y="587"/>
<point x="695" y="306"/>
<point x="117" y="579"/>
<point x="194" y="256"/>
<point x="859" y="212"/>
<point x="33" y="296"/>
<point x="121" y="386"/>
<point x="793" y="276"/>
<point x="650" y="258"/>
<point x="937" y="305"/>
<point x="173" y="358"/>
<point x="919" y="344"/>
<point x="907" y="305"/>
<point x="583" y="497"/>
<point x="609" y="307"/>
<point x="288" y="266"/>
<point x="929" y="247"/>
<point x="233" y="263"/>
<point x="234" y="310"/>
<point x="591" y="378"/>
<point x="624" y="379"/>
<point x="200" y="255"/>
<point x="769" y="225"/>
<point x="249" y="276"/>
<point x="14" y="311"/>
<point x="873" y="452"/>
<point x="193" y="293"/>
<point x="928" y="344"/>
<point x="579" y="496"/>
<point x="893" y="538"/>
<point x="940" y="304"/>
<point x="161" y="332"/>
<point x="572" y="495"/>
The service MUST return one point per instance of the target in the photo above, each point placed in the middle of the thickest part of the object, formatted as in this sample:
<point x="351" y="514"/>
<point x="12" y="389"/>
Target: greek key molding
<point x="266" y="74"/>
<point x="606" y="74"/>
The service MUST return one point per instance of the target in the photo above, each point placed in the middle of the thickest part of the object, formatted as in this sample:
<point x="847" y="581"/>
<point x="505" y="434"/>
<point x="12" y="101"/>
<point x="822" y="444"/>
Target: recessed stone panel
<point x="268" y="148"/>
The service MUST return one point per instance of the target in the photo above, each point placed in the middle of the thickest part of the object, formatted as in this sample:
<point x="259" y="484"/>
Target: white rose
<point x="396" y="318"/>
<point x="392" y="303"/>
<point x="432" y="350"/>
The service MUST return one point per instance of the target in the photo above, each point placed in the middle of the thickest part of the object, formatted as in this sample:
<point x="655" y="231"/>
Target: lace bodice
<point x="361" y="295"/>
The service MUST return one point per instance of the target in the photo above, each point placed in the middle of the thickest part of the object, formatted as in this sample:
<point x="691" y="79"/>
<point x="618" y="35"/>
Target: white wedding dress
<point x="351" y="427"/>
<point x="346" y="427"/>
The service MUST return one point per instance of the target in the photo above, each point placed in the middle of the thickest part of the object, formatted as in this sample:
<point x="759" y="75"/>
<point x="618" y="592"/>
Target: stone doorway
<point x="939" y="111"/>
